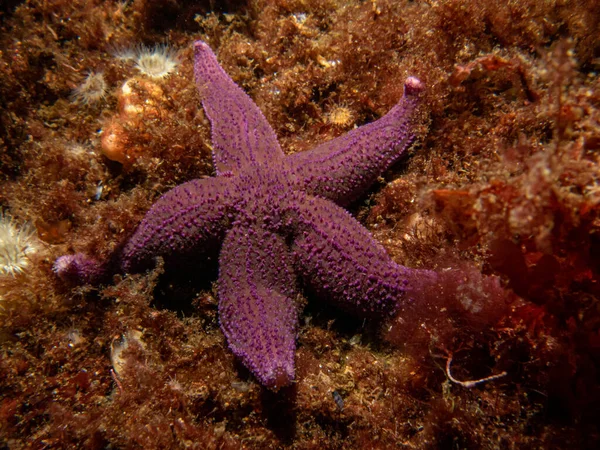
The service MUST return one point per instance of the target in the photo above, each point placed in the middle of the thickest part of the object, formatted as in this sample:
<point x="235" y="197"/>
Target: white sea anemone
<point x="92" y="90"/>
<point x="16" y="244"/>
<point x="124" y="53"/>
<point x="156" y="62"/>
<point x="341" y="116"/>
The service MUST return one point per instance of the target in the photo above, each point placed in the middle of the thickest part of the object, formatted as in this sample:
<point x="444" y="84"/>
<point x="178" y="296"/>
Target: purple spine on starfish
<point x="241" y="135"/>
<point x="257" y="309"/>
<point x="343" y="168"/>
<point x="188" y="219"/>
<point x="339" y="259"/>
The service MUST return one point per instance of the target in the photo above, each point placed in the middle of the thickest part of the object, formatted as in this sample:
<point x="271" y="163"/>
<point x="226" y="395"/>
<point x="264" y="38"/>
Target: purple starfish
<point x="277" y="219"/>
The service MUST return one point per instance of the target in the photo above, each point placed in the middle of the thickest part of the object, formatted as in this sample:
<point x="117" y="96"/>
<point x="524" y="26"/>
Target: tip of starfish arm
<point x="413" y="86"/>
<point x="200" y="45"/>
<point x="278" y="378"/>
<point x="79" y="269"/>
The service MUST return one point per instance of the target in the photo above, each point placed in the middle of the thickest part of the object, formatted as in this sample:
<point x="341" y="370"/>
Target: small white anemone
<point x="16" y="244"/>
<point x="124" y="53"/>
<point x="156" y="62"/>
<point x="92" y="90"/>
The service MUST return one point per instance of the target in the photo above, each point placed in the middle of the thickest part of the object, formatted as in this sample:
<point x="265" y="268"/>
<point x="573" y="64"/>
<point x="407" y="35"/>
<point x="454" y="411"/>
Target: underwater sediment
<point x="100" y="116"/>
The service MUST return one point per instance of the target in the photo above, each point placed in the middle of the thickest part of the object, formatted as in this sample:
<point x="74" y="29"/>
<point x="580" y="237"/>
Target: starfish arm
<point x="257" y="309"/>
<point x="340" y="261"/>
<point x="188" y="219"/>
<point x="80" y="269"/>
<point x="241" y="135"/>
<point x="343" y="168"/>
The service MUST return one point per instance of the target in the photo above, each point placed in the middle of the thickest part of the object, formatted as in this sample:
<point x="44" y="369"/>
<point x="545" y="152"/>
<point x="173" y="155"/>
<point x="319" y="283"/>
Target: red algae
<point x="504" y="182"/>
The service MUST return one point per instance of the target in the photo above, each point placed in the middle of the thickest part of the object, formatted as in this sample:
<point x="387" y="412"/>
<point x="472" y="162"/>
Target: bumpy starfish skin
<point x="276" y="218"/>
<point x="189" y="218"/>
<point x="343" y="168"/>
<point x="340" y="260"/>
<point x="257" y="290"/>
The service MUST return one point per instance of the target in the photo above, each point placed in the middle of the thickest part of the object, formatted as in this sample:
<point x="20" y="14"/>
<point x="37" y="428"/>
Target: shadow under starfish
<point x="278" y="218"/>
